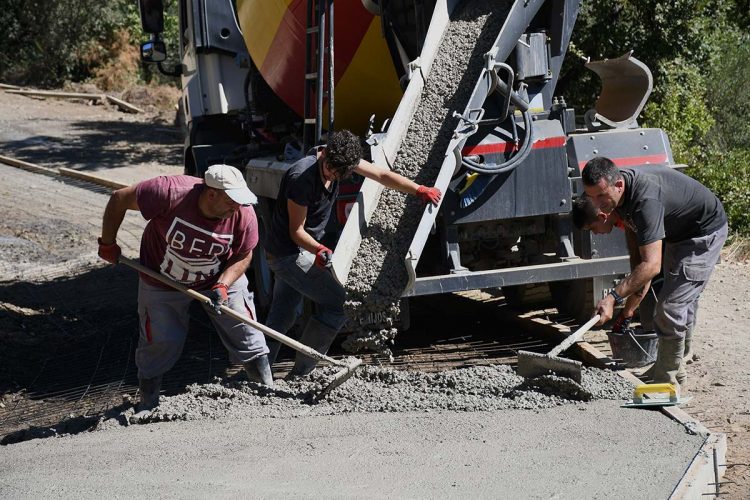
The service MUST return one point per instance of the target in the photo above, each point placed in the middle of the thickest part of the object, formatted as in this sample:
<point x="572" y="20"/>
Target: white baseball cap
<point x="230" y="180"/>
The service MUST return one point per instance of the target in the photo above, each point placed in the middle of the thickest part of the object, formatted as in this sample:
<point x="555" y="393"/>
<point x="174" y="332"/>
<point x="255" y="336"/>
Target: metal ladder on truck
<point x="318" y="71"/>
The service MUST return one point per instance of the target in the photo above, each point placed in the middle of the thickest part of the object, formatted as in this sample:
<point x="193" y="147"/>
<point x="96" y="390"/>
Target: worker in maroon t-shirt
<point x="200" y="234"/>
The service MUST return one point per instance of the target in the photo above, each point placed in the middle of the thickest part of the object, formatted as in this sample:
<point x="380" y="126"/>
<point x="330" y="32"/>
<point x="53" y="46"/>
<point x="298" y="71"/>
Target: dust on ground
<point x="48" y="235"/>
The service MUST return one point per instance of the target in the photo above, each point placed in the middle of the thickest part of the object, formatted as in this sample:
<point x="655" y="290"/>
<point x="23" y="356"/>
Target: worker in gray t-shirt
<point x="662" y="210"/>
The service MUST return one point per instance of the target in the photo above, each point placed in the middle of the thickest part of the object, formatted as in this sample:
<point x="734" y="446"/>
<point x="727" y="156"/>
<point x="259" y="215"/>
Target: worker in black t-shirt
<point x="661" y="207"/>
<point x="296" y="255"/>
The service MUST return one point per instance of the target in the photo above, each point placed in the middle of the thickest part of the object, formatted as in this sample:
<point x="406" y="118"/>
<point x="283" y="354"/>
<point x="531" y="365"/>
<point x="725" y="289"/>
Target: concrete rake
<point x="346" y="371"/>
<point x="532" y="364"/>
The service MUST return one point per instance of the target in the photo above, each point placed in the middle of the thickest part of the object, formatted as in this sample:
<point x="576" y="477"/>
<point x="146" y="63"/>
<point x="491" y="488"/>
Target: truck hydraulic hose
<point x="510" y="164"/>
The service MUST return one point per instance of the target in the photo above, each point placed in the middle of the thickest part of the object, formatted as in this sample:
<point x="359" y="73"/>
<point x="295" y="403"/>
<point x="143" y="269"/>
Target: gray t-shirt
<point x="303" y="185"/>
<point x="663" y="203"/>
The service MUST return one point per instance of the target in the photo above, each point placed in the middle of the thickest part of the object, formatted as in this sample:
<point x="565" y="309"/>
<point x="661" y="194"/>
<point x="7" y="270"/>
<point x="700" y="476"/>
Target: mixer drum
<point x="366" y="82"/>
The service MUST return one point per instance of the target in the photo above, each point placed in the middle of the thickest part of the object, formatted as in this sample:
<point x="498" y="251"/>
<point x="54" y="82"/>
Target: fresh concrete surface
<point x="597" y="450"/>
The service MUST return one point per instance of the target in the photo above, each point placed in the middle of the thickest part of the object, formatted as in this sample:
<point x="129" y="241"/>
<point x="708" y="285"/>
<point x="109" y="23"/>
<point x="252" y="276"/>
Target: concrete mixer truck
<point x="459" y="94"/>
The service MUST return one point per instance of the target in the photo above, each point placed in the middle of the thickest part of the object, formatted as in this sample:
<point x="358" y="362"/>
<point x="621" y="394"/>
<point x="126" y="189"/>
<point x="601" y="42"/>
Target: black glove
<point x="219" y="295"/>
<point x="621" y="324"/>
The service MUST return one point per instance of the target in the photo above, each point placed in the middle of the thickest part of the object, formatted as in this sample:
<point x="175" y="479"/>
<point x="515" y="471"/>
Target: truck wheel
<point x="259" y="275"/>
<point x="260" y="278"/>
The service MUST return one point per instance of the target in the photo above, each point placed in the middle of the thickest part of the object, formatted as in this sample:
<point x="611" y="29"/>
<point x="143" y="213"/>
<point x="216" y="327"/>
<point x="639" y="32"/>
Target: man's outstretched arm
<point x="398" y="182"/>
<point x="119" y="203"/>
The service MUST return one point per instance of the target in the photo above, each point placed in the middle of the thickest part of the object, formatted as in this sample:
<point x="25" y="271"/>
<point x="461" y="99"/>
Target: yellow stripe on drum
<point x="369" y="85"/>
<point x="264" y="17"/>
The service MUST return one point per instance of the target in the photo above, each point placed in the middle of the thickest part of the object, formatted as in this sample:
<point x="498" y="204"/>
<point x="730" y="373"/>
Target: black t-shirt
<point x="663" y="203"/>
<point x="303" y="185"/>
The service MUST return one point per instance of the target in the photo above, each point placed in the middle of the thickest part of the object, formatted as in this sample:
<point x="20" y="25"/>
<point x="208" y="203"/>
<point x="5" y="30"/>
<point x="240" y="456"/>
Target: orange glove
<point x="621" y="323"/>
<point x="219" y="295"/>
<point x="110" y="252"/>
<point x="429" y="194"/>
<point x="323" y="257"/>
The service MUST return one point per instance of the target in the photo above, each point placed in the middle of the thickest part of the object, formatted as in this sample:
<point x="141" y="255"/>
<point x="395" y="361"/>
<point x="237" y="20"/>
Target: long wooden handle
<point x="297" y="346"/>
<point x="575" y="337"/>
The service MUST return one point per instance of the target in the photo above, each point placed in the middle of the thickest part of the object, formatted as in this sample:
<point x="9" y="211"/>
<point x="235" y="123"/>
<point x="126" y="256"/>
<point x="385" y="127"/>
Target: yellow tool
<point x="656" y="395"/>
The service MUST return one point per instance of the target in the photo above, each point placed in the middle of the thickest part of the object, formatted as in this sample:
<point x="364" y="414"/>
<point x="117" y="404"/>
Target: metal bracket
<point x="474" y="116"/>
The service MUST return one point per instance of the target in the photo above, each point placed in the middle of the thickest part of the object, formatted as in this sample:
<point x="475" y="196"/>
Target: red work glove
<point x="621" y="323"/>
<point x="323" y="257"/>
<point x="429" y="194"/>
<point x="219" y="295"/>
<point x="110" y="252"/>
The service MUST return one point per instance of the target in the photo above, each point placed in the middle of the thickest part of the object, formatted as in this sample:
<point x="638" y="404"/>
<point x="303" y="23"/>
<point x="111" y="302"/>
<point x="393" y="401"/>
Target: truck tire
<point x="260" y="279"/>
<point x="259" y="274"/>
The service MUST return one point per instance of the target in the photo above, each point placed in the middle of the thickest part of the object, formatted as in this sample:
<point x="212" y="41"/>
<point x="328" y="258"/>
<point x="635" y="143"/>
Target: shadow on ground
<point x="96" y="145"/>
<point x="67" y="352"/>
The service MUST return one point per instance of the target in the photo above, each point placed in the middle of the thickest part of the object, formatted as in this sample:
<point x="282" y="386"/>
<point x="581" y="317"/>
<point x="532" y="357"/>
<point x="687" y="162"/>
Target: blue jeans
<point x="297" y="276"/>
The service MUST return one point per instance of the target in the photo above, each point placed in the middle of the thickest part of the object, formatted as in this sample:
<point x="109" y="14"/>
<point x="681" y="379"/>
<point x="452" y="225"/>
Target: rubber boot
<point x="669" y="364"/>
<point x="689" y="354"/>
<point x="317" y="335"/>
<point x="258" y="370"/>
<point x="149" y="389"/>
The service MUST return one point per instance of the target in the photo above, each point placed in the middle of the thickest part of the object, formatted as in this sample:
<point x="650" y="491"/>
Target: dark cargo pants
<point x="164" y="320"/>
<point x="687" y="266"/>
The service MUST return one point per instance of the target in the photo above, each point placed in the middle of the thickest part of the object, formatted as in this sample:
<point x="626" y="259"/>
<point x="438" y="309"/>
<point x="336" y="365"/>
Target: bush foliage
<point x="699" y="54"/>
<point x="45" y="44"/>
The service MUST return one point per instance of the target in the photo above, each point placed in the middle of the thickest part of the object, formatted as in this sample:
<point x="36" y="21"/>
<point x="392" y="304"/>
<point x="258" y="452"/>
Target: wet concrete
<point x="597" y="450"/>
<point x="373" y="389"/>
<point x="378" y="277"/>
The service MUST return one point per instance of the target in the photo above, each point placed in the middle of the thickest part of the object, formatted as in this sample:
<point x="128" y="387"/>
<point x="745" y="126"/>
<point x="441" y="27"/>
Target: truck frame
<point x="510" y="174"/>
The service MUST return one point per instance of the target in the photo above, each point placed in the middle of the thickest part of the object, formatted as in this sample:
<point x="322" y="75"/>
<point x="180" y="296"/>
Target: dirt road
<point x="47" y="250"/>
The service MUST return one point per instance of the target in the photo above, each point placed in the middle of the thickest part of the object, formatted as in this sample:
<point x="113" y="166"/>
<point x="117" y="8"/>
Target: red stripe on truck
<point x="509" y="147"/>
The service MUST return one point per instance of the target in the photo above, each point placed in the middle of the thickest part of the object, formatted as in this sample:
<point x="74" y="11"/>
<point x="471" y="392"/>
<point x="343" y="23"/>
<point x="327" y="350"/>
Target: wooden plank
<point x="9" y="87"/>
<point x="124" y="106"/>
<point x="27" y="166"/>
<point x="62" y="95"/>
<point x="102" y="181"/>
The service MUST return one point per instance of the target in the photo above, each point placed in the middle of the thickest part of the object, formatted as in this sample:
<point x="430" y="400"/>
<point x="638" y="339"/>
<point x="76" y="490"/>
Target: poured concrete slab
<point x="596" y="450"/>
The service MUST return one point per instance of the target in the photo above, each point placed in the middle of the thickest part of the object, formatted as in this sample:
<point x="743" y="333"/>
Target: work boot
<point x="149" y="389"/>
<point x="669" y="366"/>
<point x="258" y="370"/>
<point x="689" y="354"/>
<point x="317" y="335"/>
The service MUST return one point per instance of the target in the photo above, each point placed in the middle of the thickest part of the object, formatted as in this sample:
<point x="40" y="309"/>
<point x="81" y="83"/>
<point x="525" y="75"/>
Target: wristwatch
<point x="618" y="298"/>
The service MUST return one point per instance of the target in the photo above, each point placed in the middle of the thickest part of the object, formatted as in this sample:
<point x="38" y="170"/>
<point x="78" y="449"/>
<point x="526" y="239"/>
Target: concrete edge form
<point x="703" y="475"/>
<point x="62" y="171"/>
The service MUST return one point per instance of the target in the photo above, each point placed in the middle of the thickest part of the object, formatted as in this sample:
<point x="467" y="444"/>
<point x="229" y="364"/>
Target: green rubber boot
<point x="259" y="371"/>
<point x="689" y="354"/>
<point x="669" y="366"/>
<point x="149" y="389"/>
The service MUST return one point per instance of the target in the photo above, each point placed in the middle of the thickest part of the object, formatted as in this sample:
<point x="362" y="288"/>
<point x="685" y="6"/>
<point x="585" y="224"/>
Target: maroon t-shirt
<point x="181" y="243"/>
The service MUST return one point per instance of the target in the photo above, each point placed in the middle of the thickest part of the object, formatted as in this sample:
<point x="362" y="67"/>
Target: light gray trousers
<point x="687" y="266"/>
<point x="164" y="318"/>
